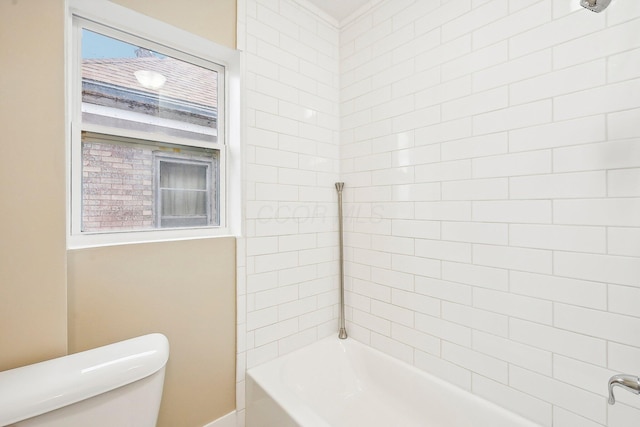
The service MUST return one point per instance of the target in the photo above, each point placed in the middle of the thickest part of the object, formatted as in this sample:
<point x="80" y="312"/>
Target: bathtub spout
<point x="628" y="382"/>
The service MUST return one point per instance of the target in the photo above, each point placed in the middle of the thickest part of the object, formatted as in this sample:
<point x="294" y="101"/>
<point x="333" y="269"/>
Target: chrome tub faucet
<point x="628" y="382"/>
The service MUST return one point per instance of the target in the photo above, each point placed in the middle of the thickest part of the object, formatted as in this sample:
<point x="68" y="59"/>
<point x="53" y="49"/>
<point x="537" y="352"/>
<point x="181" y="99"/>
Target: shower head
<point x="595" y="5"/>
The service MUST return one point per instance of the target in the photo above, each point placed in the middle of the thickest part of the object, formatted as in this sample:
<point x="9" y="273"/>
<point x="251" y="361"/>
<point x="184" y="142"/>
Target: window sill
<point x="93" y="240"/>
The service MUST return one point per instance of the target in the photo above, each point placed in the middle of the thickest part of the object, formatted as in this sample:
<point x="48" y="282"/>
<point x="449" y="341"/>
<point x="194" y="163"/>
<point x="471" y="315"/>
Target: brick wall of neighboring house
<point x="117" y="187"/>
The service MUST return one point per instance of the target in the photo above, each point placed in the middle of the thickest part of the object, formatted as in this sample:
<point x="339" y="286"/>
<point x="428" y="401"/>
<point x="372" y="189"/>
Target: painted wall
<point x="33" y="308"/>
<point x="491" y="154"/>
<point x="183" y="289"/>
<point x="33" y="270"/>
<point x="287" y="264"/>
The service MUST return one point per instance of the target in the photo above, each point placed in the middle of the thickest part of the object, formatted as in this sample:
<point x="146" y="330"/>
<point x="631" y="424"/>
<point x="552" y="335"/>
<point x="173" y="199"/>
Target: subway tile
<point x="445" y="92"/>
<point x="558" y="134"/>
<point x="534" y="162"/>
<point x="445" y="13"/>
<point x="529" y="66"/>
<point x="444" y="52"/>
<point x="392" y="347"/>
<point x="522" y="355"/>
<point x="416" y="339"/>
<point x="564" y="81"/>
<point x="475" y="275"/>
<point x="443" y="250"/>
<point x="393" y="313"/>
<point x="623" y="66"/>
<point x="442" y="289"/>
<point x="414" y="302"/>
<point x="445" y="330"/>
<point x="443" y="369"/>
<point x="476" y="189"/>
<point x="371" y="322"/>
<point x="478" y="17"/>
<point x="416" y="265"/>
<point x="398" y="245"/>
<point x="476" y="60"/>
<point x="477" y="362"/>
<point x="598" y="100"/>
<point x="446" y="211"/>
<point x="572" y="398"/>
<point x="580" y="374"/>
<point x="553" y="33"/>
<point x="416" y="229"/>
<point x="275" y="332"/>
<point x="393" y="279"/>
<point x="568" y="238"/>
<point x="479" y="146"/>
<point x="533" y="260"/>
<point x="622" y="415"/>
<point x="559" y="186"/>
<point x="445" y="131"/>
<point x="601" y="268"/>
<point x="601" y="324"/>
<point x="624" y="300"/>
<point x="513" y="305"/>
<point x="623" y="124"/>
<point x="443" y="171"/>
<point x="372" y="290"/>
<point x="623" y="241"/>
<point x="416" y="156"/>
<point x="559" y="289"/>
<point x="477" y="103"/>
<point x="481" y="320"/>
<point x="475" y="232"/>
<point x="564" y="418"/>
<point x="514" y="117"/>
<point x="596" y="44"/>
<point x="513" y="211"/>
<point x="516" y="401"/>
<point x="567" y="343"/>
<point x="536" y="14"/>
<point x="623" y="358"/>
<point x="624" y="212"/>
<point x="411" y="192"/>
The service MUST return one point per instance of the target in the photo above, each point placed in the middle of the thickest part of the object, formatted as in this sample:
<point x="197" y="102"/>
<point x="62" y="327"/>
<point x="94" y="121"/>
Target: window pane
<point x="130" y="87"/>
<point x="183" y="176"/>
<point x="140" y="186"/>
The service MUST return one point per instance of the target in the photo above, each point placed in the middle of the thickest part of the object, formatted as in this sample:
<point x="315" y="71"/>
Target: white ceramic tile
<point x="513" y="305"/>
<point x="476" y="189"/>
<point x="475" y="275"/>
<point x="514" y="400"/>
<point x="569" y="238"/>
<point x="441" y="289"/>
<point x="447" y="331"/>
<point x="475" y="232"/>
<point x="534" y="113"/>
<point x="476" y="362"/>
<point x="560" y="289"/>
<point x="603" y="268"/>
<point x="444" y="250"/>
<point x="416" y="339"/>
<point x="571" y="344"/>
<point x="559" y="186"/>
<point x="444" y="369"/>
<point x="558" y="134"/>
<point x="572" y="398"/>
<point x="534" y="162"/>
<point x="624" y="241"/>
<point x="482" y="320"/>
<point x="612" y="212"/>
<point x="525" y="211"/>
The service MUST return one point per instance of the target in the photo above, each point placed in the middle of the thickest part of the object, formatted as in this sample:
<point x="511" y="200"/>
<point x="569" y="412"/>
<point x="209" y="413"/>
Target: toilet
<point x="116" y="385"/>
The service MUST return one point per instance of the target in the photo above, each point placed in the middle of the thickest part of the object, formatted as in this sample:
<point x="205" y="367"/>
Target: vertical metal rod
<point x="342" y="333"/>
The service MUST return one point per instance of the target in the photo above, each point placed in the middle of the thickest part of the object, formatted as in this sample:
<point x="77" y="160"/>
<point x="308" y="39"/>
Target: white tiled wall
<point x="287" y="258"/>
<point x="491" y="155"/>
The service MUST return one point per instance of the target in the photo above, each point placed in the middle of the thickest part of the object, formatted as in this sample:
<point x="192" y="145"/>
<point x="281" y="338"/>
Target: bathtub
<point x="343" y="383"/>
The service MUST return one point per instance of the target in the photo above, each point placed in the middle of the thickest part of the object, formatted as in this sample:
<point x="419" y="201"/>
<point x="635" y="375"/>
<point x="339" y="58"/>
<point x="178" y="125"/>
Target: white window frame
<point x="116" y="21"/>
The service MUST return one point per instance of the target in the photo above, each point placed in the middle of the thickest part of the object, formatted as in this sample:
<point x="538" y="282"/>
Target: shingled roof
<point x="185" y="83"/>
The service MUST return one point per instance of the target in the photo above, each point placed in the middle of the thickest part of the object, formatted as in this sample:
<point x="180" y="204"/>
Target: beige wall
<point x="191" y="284"/>
<point x="182" y="289"/>
<point x="212" y="19"/>
<point x="32" y="178"/>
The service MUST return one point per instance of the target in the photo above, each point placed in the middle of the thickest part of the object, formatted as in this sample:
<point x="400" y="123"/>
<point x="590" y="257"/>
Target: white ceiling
<point x="339" y="9"/>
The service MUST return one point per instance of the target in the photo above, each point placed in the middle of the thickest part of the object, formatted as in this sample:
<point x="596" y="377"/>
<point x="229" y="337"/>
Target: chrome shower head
<point x="595" y="5"/>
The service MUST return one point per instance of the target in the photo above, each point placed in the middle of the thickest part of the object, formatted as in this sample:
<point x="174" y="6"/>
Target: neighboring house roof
<point x="188" y="85"/>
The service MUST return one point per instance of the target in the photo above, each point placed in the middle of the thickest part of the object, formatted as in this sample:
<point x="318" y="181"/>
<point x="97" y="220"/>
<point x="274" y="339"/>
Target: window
<point x="148" y="147"/>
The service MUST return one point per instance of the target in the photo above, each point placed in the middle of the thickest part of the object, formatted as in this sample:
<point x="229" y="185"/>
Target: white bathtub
<point x="342" y="383"/>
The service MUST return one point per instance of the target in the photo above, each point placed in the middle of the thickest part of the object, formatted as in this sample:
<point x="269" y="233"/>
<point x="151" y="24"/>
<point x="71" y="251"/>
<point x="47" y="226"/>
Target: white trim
<point x="106" y="13"/>
<point x="229" y="420"/>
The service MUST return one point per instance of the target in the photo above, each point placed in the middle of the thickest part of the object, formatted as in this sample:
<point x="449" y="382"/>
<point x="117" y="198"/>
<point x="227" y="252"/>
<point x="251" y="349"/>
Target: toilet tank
<point x="116" y="385"/>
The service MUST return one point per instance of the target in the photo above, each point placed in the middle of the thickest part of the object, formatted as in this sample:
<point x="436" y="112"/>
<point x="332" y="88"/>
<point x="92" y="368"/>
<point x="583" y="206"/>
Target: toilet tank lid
<point x="43" y="387"/>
